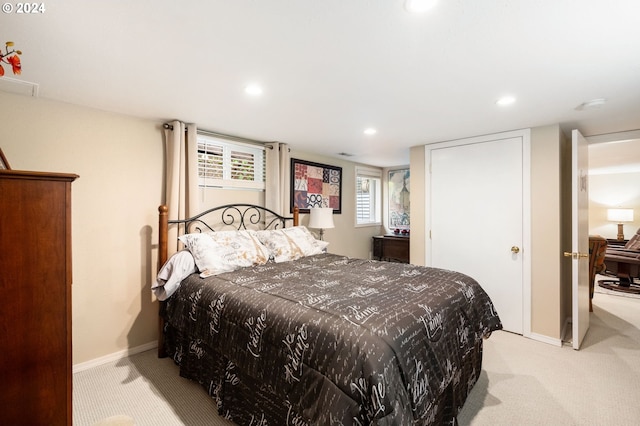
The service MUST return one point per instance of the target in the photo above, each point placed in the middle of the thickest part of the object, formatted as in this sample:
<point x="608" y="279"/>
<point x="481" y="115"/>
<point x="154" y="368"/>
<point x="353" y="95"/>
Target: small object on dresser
<point x="4" y="164"/>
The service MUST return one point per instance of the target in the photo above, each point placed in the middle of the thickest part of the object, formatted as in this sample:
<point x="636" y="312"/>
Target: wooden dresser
<point x="392" y="247"/>
<point x="35" y="284"/>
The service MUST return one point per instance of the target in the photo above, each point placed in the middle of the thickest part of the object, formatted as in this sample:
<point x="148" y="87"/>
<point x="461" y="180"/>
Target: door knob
<point x="576" y="255"/>
<point x="515" y="249"/>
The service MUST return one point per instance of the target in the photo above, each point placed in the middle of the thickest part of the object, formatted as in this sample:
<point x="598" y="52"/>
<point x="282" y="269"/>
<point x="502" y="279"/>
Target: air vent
<point x="345" y="154"/>
<point x="592" y="104"/>
<point x="19" y="87"/>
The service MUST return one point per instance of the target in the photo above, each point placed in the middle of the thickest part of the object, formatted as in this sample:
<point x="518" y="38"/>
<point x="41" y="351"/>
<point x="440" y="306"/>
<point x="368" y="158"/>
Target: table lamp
<point x="619" y="216"/>
<point x="321" y="218"/>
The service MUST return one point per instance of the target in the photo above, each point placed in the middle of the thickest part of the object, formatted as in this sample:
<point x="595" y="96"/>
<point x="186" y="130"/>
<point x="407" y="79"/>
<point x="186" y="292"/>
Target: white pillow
<point x="291" y="243"/>
<point x="178" y="267"/>
<point x="247" y="248"/>
<point x="218" y="252"/>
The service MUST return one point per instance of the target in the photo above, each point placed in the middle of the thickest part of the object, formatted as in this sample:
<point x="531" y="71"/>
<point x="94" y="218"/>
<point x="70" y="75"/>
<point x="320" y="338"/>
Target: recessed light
<point x="253" y="90"/>
<point x="370" y="131"/>
<point x="505" y="100"/>
<point x="419" y="6"/>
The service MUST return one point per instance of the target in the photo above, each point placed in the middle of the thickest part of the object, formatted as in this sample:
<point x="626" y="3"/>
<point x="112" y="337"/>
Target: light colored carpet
<point x="144" y="388"/>
<point x="116" y="421"/>
<point x="523" y="382"/>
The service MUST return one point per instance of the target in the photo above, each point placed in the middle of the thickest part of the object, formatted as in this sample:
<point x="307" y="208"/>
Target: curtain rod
<point x="224" y="136"/>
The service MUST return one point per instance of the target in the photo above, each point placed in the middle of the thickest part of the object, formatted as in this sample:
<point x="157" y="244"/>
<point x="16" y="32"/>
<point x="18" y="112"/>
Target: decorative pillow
<point x="225" y="251"/>
<point x="179" y="266"/>
<point x="248" y="249"/>
<point x="291" y="243"/>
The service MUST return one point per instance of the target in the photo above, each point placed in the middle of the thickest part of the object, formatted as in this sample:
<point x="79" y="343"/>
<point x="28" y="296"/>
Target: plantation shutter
<point x="228" y="164"/>
<point x="368" y="196"/>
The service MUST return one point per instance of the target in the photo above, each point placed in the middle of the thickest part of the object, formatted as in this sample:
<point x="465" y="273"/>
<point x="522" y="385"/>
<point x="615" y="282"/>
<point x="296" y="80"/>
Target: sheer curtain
<point x="181" y="185"/>
<point x="277" y="177"/>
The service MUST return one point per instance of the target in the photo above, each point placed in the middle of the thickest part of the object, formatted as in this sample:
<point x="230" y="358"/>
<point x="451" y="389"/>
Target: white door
<point x="476" y="218"/>
<point x="579" y="237"/>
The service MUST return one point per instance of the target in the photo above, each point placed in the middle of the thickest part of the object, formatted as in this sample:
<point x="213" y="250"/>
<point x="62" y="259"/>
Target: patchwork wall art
<point x="315" y="185"/>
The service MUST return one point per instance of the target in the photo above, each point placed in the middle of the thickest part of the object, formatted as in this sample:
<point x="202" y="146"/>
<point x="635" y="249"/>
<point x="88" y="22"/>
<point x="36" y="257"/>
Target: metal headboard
<point x="230" y="216"/>
<point x="236" y="216"/>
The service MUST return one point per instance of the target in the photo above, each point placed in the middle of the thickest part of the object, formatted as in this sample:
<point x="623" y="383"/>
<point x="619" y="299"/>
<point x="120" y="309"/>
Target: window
<point x="229" y="164"/>
<point x="368" y="196"/>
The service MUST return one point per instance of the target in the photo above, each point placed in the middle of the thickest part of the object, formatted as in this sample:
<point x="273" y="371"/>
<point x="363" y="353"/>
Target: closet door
<point x="477" y="215"/>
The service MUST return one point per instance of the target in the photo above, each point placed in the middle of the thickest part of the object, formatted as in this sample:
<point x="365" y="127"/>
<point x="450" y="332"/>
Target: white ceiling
<point x="331" y="68"/>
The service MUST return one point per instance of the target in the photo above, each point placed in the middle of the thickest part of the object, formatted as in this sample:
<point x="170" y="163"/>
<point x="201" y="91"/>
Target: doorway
<point x="614" y="175"/>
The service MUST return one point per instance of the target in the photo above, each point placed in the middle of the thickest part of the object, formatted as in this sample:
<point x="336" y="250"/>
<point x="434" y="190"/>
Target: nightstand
<point x="391" y="247"/>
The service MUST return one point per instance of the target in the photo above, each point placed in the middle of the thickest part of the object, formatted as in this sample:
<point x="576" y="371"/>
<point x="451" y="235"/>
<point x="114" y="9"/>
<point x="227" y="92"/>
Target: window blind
<point x="228" y="164"/>
<point x="368" y="196"/>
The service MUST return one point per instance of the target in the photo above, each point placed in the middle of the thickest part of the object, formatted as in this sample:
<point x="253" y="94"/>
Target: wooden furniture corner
<point x="35" y="241"/>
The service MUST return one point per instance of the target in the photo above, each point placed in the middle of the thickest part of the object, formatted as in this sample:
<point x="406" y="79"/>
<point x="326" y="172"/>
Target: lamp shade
<point x="620" y="215"/>
<point x="321" y="218"/>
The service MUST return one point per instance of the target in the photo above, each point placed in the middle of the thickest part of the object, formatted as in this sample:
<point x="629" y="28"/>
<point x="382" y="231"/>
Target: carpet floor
<point x="523" y="382"/>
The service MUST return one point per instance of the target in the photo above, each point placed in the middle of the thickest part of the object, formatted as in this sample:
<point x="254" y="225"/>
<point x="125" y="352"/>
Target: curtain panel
<point x="277" y="178"/>
<point x="181" y="178"/>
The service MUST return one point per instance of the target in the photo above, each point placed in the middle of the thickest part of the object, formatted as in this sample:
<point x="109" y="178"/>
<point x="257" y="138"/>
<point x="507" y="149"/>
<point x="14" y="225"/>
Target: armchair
<point x="597" y="249"/>
<point x="624" y="262"/>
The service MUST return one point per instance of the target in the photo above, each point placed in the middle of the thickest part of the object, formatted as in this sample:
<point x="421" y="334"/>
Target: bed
<point x="307" y="337"/>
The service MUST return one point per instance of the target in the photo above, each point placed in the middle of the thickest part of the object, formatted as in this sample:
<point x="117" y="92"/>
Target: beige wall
<point x="114" y="212"/>
<point x="610" y="191"/>
<point x="546" y="226"/>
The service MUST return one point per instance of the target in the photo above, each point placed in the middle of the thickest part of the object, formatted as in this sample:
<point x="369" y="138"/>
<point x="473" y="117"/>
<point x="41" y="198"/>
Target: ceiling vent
<point x="592" y="104"/>
<point x="19" y="87"/>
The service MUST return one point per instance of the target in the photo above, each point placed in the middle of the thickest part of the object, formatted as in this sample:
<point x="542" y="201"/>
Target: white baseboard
<point x="114" y="356"/>
<point x="545" y="339"/>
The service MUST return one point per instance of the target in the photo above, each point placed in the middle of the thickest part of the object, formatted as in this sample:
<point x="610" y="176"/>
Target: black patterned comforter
<point x="330" y="340"/>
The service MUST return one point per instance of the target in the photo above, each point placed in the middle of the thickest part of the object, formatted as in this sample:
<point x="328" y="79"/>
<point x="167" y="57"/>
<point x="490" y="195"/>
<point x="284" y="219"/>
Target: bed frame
<point x="227" y="217"/>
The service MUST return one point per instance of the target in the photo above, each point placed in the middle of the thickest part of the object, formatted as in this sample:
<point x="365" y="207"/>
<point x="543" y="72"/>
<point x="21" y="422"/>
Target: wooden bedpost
<point x="163" y="248"/>
<point x="296" y="216"/>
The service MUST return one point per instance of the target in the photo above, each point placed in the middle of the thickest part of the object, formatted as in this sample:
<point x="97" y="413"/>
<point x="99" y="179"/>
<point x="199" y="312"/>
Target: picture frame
<point x="399" y="206"/>
<point x="315" y="185"/>
<point x="4" y="164"/>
